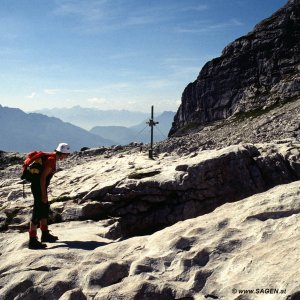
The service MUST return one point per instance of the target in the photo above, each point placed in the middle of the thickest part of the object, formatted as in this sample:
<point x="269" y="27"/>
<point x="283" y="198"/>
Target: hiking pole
<point x="24" y="194"/>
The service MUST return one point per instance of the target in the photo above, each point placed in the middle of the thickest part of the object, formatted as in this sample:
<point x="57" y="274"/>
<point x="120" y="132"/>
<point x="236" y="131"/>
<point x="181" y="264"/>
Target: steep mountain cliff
<point x="256" y="71"/>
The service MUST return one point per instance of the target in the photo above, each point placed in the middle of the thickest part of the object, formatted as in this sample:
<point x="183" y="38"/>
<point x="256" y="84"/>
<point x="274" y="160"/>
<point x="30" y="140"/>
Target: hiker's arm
<point x="44" y="175"/>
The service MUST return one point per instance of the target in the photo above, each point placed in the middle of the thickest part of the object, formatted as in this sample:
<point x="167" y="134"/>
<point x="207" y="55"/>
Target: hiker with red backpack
<point x="38" y="168"/>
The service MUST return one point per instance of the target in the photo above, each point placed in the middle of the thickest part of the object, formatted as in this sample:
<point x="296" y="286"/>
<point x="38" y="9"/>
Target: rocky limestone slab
<point x="146" y="195"/>
<point x="153" y="194"/>
<point x="248" y="245"/>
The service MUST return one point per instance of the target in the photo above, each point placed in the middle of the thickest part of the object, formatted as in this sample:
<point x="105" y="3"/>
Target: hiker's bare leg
<point x="32" y="227"/>
<point x="44" y="222"/>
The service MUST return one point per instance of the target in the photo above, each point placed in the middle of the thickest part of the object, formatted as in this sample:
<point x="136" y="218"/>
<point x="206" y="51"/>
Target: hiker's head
<point x="62" y="151"/>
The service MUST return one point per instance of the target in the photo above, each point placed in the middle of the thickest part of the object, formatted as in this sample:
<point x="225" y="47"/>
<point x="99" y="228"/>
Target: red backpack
<point x="33" y="165"/>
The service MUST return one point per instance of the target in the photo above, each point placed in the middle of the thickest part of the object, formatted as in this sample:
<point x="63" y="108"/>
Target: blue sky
<point x="114" y="54"/>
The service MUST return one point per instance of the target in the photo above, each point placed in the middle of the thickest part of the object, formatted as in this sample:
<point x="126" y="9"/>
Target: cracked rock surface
<point x="146" y="195"/>
<point x="249" y="244"/>
<point x="195" y="226"/>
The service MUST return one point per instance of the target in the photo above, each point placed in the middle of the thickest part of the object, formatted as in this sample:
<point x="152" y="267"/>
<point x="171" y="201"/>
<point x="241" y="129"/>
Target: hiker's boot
<point x="47" y="237"/>
<point x="35" y="244"/>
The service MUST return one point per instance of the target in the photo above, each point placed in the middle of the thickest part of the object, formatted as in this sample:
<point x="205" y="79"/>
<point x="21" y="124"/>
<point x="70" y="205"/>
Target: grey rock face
<point x="149" y="199"/>
<point x="255" y="71"/>
<point x="144" y="196"/>
<point x="136" y="195"/>
<point x="250" y="243"/>
<point x="281" y="122"/>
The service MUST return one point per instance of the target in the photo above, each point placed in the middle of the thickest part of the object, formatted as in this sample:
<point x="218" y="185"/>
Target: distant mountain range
<point x="121" y="126"/>
<point x="138" y="133"/>
<point x="23" y="132"/>
<point x="88" y="118"/>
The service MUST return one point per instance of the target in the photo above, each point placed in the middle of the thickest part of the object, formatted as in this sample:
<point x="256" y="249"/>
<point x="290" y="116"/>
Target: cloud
<point x="52" y="91"/>
<point x="31" y="96"/>
<point x="96" y="101"/>
<point x="68" y="91"/>
<point x="142" y="20"/>
<point x="123" y="55"/>
<point x="201" y="7"/>
<point x="237" y="22"/>
<point x="157" y="83"/>
<point x="87" y="10"/>
<point x="131" y="103"/>
<point x="208" y="28"/>
<point x="98" y="16"/>
<point x="185" y="69"/>
<point x="119" y="85"/>
<point x="177" y="102"/>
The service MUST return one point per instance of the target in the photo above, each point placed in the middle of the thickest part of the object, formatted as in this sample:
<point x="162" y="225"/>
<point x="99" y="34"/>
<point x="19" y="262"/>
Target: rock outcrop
<point x="243" y="250"/>
<point x="256" y="71"/>
<point x="261" y="126"/>
<point x="232" y="231"/>
<point x="143" y="195"/>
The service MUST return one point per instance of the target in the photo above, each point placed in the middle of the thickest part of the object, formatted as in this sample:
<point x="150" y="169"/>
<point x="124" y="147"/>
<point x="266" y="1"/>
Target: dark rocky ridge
<point x="260" y="126"/>
<point x="255" y="71"/>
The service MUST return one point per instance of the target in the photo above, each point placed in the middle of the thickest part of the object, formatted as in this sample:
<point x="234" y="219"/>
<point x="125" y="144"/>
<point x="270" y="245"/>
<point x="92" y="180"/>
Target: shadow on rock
<point x="83" y="245"/>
